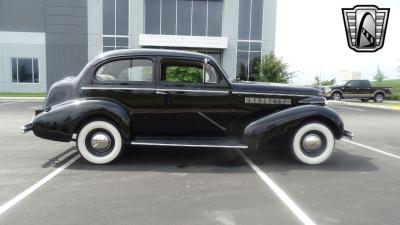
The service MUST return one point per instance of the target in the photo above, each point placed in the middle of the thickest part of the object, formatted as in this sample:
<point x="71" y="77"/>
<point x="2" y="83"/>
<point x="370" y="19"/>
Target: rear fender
<point x="61" y="121"/>
<point x="286" y="121"/>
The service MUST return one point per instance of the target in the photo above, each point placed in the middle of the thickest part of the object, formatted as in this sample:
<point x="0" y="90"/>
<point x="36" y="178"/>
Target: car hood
<point x="272" y="88"/>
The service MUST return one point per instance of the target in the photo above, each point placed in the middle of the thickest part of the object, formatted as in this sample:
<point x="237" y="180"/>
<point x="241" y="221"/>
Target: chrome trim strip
<point x="189" y="145"/>
<point x="151" y="89"/>
<point x="117" y="88"/>
<point x="212" y="121"/>
<point x="192" y="90"/>
<point x="268" y="93"/>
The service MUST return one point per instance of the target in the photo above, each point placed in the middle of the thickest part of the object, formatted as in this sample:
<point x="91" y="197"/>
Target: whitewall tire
<point x="313" y="143"/>
<point x="99" y="142"/>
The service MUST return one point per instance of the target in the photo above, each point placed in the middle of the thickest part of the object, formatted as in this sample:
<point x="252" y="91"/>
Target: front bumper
<point x="348" y="134"/>
<point x="27" y="128"/>
<point x="327" y="94"/>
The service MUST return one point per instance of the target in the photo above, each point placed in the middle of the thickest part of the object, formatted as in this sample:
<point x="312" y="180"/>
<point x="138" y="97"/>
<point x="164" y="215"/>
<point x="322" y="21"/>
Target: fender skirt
<point x="286" y="121"/>
<point x="59" y="122"/>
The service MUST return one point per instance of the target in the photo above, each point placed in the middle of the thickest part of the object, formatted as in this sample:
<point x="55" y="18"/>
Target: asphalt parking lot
<point x="358" y="185"/>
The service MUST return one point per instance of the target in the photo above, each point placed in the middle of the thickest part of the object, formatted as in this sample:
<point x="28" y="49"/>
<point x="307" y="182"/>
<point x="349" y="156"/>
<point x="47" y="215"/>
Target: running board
<point x="200" y="143"/>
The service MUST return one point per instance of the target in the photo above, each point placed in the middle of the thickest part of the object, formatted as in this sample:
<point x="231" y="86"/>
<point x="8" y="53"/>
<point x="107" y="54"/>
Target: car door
<point x="350" y="89"/>
<point x="365" y="89"/>
<point x="192" y="98"/>
<point x="131" y="82"/>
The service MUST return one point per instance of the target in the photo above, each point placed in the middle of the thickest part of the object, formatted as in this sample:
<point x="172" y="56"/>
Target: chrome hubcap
<point x="379" y="98"/>
<point x="100" y="142"/>
<point x="312" y="142"/>
<point x="336" y="97"/>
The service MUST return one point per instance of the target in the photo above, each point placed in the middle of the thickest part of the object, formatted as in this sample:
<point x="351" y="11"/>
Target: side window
<point x="210" y="76"/>
<point x="188" y="71"/>
<point x="353" y="83"/>
<point x="364" y="84"/>
<point x="126" y="70"/>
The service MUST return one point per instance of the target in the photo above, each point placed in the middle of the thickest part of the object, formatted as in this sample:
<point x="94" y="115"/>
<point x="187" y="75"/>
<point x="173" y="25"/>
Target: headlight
<point x="328" y="90"/>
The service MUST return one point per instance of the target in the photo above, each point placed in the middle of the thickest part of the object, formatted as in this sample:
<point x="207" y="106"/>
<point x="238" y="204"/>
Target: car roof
<point x="146" y="52"/>
<point x="152" y="52"/>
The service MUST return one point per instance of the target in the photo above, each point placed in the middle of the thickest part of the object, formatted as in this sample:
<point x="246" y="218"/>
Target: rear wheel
<point x="336" y="96"/>
<point x="313" y="143"/>
<point x="378" y="98"/>
<point x="99" y="142"/>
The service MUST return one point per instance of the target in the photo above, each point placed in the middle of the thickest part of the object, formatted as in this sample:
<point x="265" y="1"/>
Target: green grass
<point x="20" y="94"/>
<point x="395" y="84"/>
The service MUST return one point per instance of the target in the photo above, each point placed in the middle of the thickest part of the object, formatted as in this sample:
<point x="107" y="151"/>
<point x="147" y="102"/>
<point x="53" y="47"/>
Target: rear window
<point x="126" y="70"/>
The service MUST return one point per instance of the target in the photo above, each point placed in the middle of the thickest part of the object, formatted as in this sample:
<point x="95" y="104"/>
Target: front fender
<point x="285" y="121"/>
<point x="61" y="121"/>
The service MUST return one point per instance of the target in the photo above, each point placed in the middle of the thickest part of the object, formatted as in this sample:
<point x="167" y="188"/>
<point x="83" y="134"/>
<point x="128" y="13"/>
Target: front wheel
<point x="313" y="143"/>
<point x="99" y="142"/>
<point x="336" y="96"/>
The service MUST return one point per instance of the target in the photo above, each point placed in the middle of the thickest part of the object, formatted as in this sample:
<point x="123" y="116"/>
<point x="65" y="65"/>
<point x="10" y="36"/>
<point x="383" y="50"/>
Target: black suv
<point x="182" y="99"/>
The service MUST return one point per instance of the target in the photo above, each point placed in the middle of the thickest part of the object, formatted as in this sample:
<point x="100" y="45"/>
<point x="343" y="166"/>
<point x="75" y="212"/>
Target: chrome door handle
<point x="161" y="92"/>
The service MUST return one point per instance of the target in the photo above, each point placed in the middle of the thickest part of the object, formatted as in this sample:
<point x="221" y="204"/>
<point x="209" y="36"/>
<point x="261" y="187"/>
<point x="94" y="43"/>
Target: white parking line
<point x="372" y="149"/>
<point x="34" y="187"/>
<point x="8" y="103"/>
<point x="35" y="107"/>
<point x="346" y="108"/>
<point x="278" y="191"/>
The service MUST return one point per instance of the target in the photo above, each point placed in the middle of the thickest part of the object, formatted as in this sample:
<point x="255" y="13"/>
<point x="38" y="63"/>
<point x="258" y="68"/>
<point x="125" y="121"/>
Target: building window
<point x="249" y="38"/>
<point x="184" y="17"/>
<point x="115" y="24"/>
<point x="25" y="70"/>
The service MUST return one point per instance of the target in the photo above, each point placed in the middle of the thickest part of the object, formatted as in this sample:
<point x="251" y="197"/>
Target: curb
<point x="368" y="105"/>
<point x="23" y="98"/>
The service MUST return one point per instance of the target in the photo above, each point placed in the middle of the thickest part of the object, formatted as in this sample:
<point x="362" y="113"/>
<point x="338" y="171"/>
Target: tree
<point x="272" y="69"/>
<point x="184" y="74"/>
<point x="328" y="82"/>
<point x="379" y="76"/>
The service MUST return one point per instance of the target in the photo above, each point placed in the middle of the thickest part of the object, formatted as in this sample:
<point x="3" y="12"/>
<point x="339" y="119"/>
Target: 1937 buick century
<point x="177" y="98"/>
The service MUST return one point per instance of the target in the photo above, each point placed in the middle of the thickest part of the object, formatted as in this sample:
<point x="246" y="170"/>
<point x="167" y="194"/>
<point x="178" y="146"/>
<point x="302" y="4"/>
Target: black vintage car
<point x="176" y="98"/>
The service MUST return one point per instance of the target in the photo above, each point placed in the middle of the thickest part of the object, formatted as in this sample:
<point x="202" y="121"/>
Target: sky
<point x="311" y="38"/>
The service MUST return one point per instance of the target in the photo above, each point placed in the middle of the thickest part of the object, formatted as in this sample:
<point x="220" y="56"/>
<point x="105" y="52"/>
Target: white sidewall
<point x="330" y="145"/>
<point x="99" y="159"/>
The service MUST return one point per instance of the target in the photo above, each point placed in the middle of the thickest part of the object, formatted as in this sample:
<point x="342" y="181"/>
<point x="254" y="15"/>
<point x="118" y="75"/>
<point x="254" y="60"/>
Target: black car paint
<point x="286" y="121"/>
<point x="64" y="119"/>
<point x="177" y="110"/>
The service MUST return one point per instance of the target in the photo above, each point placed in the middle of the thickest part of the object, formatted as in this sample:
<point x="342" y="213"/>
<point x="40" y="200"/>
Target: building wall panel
<point x="66" y="38"/>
